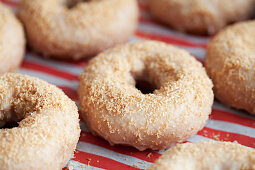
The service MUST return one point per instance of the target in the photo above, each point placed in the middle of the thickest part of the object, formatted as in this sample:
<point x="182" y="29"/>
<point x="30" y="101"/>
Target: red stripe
<point x="69" y="92"/>
<point x="168" y="39"/>
<point x="231" y="117"/>
<point x="148" y="156"/>
<point x="12" y="3"/>
<point x="227" y="136"/>
<point x="46" y="69"/>
<point x="99" y="161"/>
<point x="82" y="63"/>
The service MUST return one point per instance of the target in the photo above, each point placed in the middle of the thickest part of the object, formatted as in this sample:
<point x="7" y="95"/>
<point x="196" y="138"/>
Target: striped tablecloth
<point x="225" y="124"/>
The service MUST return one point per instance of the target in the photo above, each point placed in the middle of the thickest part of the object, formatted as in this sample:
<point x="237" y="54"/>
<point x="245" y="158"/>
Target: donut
<point x="75" y="29"/>
<point x="201" y="16"/>
<point x="230" y="64"/>
<point x="12" y="41"/>
<point x="148" y="95"/>
<point x="47" y="124"/>
<point x="206" y="155"/>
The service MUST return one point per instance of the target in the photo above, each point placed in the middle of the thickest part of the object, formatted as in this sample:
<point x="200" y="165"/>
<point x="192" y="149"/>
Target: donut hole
<point x="73" y="3"/>
<point x="10" y="117"/>
<point x="145" y="86"/>
<point x="143" y="83"/>
<point x="8" y="125"/>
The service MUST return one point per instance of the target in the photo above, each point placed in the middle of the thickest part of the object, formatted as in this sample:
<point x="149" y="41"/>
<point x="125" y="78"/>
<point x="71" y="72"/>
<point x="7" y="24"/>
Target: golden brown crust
<point x="48" y="121"/>
<point x="206" y="155"/>
<point x="231" y="65"/>
<point x="201" y="16"/>
<point x="85" y="30"/>
<point x="12" y="41"/>
<point x="114" y="109"/>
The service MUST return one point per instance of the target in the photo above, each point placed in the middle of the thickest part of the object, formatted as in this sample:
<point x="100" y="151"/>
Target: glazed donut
<point x="11" y="37"/>
<point x="230" y="64"/>
<point x="206" y="155"/>
<point x="201" y="16"/>
<point x="73" y="29"/>
<point x="48" y="124"/>
<point x="176" y="106"/>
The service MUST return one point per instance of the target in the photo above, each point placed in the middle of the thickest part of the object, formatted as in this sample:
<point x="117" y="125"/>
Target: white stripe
<point x="199" y="138"/>
<point x="231" y="127"/>
<point x="74" y="165"/>
<point x="125" y="159"/>
<point x="50" y="78"/>
<point x="55" y="64"/>
<point x="135" y="39"/>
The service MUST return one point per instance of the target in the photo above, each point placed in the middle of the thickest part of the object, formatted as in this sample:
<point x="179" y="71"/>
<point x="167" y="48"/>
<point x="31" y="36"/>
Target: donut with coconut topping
<point x="39" y="124"/>
<point x="116" y="106"/>
<point x="206" y="155"/>
<point x="230" y="63"/>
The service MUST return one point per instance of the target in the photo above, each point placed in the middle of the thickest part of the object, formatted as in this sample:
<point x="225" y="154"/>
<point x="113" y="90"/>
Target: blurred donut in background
<point x="201" y="16"/>
<point x="230" y="63"/>
<point x="12" y="41"/>
<point x="75" y="29"/>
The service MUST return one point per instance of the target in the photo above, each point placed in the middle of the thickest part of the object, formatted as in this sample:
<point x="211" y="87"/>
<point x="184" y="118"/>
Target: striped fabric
<point x="225" y="124"/>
